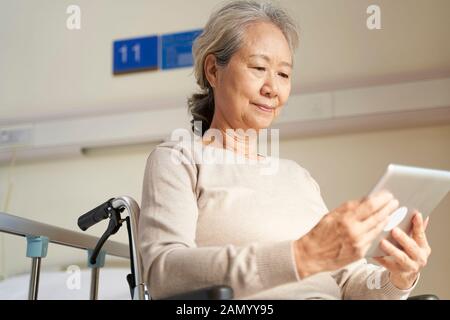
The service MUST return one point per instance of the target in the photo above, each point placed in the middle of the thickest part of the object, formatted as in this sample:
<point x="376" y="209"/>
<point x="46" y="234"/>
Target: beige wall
<point x="346" y="166"/>
<point x="69" y="72"/>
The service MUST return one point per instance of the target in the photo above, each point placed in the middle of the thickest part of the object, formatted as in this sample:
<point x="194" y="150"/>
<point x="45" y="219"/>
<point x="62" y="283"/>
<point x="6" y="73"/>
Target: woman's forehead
<point x="265" y="41"/>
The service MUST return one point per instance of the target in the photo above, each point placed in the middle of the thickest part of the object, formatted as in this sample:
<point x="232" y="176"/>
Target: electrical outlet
<point x="15" y="137"/>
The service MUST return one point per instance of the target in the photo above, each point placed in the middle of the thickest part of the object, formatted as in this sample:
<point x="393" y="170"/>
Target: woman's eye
<point x="284" y="75"/>
<point x="260" y="68"/>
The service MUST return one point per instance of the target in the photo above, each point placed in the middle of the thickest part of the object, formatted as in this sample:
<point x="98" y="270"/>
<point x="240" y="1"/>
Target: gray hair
<point x="222" y="36"/>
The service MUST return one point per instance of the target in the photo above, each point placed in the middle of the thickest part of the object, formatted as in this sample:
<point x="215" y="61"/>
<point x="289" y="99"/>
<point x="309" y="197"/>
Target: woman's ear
<point x="210" y="69"/>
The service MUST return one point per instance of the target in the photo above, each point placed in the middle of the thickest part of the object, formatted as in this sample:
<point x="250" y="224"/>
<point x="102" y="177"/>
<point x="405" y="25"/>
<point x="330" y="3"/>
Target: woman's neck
<point x="240" y="141"/>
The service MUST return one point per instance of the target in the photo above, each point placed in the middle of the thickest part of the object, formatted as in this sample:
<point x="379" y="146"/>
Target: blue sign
<point x="177" y="49"/>
<point x="136" y="54"/>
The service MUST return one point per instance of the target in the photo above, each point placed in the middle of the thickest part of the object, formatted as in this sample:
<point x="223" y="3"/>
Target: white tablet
<point x="415" y="188"/>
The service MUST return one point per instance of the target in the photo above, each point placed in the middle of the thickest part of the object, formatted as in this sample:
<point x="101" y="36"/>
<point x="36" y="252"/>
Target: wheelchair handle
<point x="96" y="215"/>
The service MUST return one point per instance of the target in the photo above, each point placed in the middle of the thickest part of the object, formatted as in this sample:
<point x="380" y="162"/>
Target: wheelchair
<point x="112" y="209"/>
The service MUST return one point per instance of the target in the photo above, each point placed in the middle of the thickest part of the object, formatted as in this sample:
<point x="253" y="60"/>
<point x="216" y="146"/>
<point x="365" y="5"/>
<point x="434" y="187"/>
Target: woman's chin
<point x="261" y="123"/>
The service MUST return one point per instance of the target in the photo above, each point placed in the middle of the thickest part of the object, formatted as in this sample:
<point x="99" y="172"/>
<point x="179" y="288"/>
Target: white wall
<point x="47" y="70"/>
<point x="60" y="191"/>
<point x="346" y="166"/>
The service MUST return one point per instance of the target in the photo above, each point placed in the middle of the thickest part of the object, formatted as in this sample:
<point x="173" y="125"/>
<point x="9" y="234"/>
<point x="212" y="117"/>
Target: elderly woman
<point x="266" y="236"/>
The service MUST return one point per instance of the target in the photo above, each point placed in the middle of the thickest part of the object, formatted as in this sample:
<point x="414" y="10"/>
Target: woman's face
<point x="252" y="88"/>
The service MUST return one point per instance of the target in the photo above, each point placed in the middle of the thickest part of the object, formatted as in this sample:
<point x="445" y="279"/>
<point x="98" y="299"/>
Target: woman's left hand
<point x="405" y="265"/>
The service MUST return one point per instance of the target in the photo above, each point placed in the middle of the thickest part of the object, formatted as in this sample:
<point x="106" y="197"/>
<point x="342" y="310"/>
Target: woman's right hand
<point x="343" y="235"/>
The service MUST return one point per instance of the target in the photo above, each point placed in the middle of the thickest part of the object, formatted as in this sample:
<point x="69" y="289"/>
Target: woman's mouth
<point x="263" y="107"/>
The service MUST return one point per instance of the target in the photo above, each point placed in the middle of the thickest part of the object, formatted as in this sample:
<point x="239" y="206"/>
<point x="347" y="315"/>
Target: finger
<point x="373" y="203"/>
<point x="408" y="244"/>
<point x="387" y="263"/>
<point x="398" y="255"/>
<point x="381" y="216"/>
<point x="418" y="233"/>
<point x="370" y="235"/>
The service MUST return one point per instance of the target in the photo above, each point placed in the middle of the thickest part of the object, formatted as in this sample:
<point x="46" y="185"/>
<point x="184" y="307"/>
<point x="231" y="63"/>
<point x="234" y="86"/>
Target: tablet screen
<point x="415" y="188"/>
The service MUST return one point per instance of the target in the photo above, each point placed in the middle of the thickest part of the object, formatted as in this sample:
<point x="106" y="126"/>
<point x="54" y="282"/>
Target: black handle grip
<point x="219" y="292"/>
<point x="95" y="215"/>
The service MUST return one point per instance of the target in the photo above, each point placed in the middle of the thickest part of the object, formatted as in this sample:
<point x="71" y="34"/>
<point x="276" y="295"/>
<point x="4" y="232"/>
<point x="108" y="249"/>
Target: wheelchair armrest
<point x="210" y="293"/>
<point x="424" y="297"/>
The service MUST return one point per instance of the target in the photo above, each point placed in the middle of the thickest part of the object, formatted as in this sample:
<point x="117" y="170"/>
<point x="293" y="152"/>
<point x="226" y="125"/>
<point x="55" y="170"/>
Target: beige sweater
<point x="206" y="220"/>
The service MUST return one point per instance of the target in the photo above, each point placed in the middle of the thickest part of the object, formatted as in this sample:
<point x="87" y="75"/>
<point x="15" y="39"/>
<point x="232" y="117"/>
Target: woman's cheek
<point x="278" y="111"/>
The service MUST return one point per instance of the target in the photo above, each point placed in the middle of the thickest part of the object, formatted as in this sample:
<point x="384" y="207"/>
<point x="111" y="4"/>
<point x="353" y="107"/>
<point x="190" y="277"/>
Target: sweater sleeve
<point x="167" y="228"/>
<point x="361" y="280"/>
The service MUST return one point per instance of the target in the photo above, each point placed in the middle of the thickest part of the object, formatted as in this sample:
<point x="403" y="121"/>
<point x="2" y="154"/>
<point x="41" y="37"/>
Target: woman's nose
<point x="270" y="88"/>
